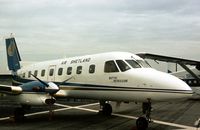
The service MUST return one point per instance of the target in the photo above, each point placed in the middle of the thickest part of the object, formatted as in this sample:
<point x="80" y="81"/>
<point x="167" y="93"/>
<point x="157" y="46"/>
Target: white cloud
<point x="73" y="26"/>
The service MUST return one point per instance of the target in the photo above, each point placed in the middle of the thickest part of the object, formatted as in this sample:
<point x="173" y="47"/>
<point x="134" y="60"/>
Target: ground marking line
<point x="67" y="107"/>
<point x="80" y="107"/>
<point x="133" y="117"/>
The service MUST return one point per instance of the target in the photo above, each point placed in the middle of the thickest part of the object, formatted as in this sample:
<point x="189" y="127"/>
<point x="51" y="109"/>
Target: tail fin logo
<point x="13" y="56"/>
<point x="11" y="49"/>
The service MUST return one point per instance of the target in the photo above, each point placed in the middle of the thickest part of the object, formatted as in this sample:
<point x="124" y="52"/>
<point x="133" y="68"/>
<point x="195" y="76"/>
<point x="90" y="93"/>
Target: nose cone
<point x="170" y="86"/>
<point x="173" y="85"/>
<point x="168" y="81"/>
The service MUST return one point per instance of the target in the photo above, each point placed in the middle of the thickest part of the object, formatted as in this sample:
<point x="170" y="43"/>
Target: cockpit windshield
<point x="122" y="65"/>
<point x="143" y="63"/>
<point x="133" y="63"/>
<point x="111" y="66"/>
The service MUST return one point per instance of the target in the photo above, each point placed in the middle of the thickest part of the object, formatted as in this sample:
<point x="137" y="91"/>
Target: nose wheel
<point x="105" y="108"/>
<point x="142" y="122"/>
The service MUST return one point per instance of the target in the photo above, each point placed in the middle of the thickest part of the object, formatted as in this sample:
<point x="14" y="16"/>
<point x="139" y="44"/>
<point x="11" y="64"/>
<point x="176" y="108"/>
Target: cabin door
<point x="51" y="73"/>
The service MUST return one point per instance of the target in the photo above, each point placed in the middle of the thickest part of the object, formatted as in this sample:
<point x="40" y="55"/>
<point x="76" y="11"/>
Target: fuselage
<point x="113" y="76"/>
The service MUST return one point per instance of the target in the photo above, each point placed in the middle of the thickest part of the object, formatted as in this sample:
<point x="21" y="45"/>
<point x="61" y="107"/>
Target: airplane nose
<point x="178" y="88"/>
<point x="172" y="82"/>
<point x="170" y="86"/>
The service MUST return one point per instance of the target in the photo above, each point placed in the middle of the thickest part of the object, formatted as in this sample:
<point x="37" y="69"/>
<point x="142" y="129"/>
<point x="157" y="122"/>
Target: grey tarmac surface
<point x="72" y="115"/>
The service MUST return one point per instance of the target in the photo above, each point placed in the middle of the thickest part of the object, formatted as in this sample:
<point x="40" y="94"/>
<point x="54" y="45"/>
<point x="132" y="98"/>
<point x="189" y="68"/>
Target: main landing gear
<point x="20" y="112"/>
<point x="143" y="121"/>
<point x="105" y="108"/>
<point x="50" y="103"/>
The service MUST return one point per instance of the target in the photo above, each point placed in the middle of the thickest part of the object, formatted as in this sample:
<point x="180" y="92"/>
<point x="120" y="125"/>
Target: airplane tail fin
<point x="13" y="56"/>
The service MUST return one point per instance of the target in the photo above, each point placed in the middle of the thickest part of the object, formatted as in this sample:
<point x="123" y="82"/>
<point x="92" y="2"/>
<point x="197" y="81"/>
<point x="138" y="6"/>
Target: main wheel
<point x="142" y="123"/>
<point x="107" y="109"/>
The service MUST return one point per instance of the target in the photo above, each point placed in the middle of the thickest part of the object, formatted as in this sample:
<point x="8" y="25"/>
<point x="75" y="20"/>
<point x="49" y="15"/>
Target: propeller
<point x="65" y="81"/>
<point x="44" y="83"/>
<point x="50" y="87"/>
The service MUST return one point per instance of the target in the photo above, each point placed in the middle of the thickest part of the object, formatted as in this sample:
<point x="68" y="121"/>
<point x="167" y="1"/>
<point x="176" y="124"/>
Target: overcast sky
<point x="49" y="29"/>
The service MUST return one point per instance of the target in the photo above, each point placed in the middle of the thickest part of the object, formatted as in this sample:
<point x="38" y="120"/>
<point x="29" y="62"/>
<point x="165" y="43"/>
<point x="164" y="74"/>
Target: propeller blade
<point x="65" y="81"/>
<point x="40" y="80"/>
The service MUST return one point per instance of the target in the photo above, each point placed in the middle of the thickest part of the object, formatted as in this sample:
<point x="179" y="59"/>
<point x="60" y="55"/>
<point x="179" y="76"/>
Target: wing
<point x="11" y="90"/>
<point x="168" y="59"/>
<point x="182" y="62"/>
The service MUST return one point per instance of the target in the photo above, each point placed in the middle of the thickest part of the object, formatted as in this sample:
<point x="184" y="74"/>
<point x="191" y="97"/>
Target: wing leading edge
<point x="12" y="90"/>
<point x="169" y="59"/>
<point x="182" y="62"/>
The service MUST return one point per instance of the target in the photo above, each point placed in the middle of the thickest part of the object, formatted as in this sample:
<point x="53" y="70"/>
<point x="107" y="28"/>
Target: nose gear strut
<point x="143" y="122"/>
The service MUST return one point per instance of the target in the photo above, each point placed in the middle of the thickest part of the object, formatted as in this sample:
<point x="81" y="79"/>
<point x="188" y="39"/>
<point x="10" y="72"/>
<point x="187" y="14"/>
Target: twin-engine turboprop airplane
<point x="113" y="76"/>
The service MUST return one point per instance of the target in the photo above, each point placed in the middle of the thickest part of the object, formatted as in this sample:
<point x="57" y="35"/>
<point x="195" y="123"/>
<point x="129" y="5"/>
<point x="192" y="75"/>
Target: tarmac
<point x="72" y="114"/>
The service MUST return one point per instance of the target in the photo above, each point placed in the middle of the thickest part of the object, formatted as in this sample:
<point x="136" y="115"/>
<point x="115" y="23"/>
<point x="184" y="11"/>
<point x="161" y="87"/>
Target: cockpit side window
<point x="110" y="67"/>
<point x="122" y="65"/>
<point x="133" y="63"/>
<point x="144" y="63"/>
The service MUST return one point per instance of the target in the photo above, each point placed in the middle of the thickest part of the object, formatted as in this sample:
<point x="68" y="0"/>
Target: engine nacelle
<point x="33" y="99"/>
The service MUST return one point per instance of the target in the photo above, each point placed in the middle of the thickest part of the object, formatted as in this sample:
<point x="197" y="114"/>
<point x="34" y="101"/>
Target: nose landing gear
<point x="105" y="108"/>
<point x="142" y="122"/>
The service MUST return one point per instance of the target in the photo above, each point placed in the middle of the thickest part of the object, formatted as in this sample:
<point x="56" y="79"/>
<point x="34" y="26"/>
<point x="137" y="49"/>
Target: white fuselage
<point x="89" y="77"/>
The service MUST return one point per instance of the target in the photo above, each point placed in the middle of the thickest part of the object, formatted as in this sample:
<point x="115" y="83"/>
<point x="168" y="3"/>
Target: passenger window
<point x="60" y="71"/>
<point x="122" y="65"/>
<point x="133" y="63"/>
<point x="42" y="73"/>
<point x="35" y="73"/>
<point x="51" y="72"/>
<point x="69" y="70"/>
<point x="29" y="74"/>
<point x="92" y="69"/>
<point x="23" y="75"/>
<point x="79" y="70"/>
<point x="110" y="66"/>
